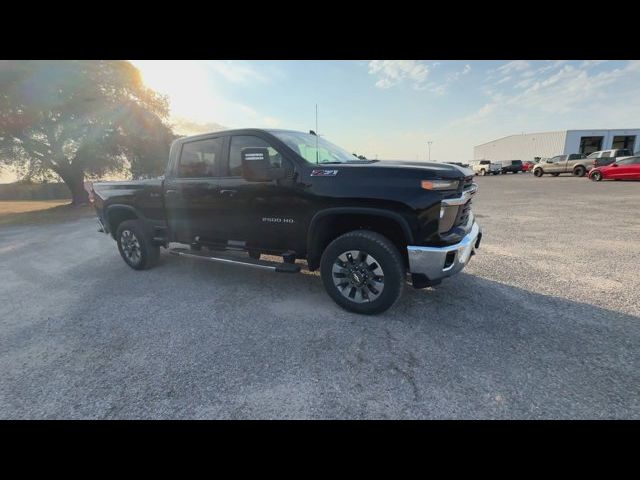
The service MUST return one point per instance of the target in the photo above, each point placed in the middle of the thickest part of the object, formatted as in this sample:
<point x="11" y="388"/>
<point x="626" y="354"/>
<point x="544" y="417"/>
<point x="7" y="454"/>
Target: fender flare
<point x="120" y="206"/>
<point x="313" y="224"/>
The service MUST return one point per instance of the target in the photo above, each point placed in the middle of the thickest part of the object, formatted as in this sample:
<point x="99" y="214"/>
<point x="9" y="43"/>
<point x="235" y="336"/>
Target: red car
<point x="624" y="169"/>
<point x="526" y="166"/>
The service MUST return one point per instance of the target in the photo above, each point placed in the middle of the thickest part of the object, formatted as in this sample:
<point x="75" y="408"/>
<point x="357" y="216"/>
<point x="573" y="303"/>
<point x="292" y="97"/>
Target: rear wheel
<point x="579" y="171"/>
<point x="363" y="272"/>
<point x="135" y="244"/>
<point x="596" y="176"/>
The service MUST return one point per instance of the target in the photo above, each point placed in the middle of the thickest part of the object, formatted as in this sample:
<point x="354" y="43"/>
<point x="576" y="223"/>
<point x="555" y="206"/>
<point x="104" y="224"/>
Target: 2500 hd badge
<point x="277" y="220"/>
<point x="368" y="227"/>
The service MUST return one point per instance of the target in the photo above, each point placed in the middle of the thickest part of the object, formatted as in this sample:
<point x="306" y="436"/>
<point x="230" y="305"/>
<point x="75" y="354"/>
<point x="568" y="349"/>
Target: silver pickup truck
<point x="486" y="167"/>
<point x="574" y="163"/>
<point x="577" y="164"/>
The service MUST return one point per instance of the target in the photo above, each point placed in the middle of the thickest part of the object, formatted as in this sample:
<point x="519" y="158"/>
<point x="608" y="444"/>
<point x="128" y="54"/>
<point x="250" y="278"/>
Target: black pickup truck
<point x="235" y="195"/>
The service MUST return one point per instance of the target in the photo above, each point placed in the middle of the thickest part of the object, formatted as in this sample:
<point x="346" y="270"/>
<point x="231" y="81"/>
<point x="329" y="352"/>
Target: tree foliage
<point x="80" y="118"/>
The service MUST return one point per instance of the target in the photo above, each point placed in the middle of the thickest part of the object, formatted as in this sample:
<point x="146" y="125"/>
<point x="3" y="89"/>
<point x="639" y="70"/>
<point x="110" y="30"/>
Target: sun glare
<point x="190" y="90"/>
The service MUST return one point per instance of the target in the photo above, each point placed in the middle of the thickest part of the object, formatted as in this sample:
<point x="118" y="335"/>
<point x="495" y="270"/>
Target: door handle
<point x="229" y="193"/>
<point x="170" y="190"/>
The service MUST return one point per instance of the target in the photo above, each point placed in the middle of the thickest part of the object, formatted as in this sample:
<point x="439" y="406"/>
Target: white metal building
<point x="527" y="146"/>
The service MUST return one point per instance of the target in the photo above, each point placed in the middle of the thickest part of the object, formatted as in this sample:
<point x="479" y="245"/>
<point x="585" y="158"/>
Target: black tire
<point x="483" y="172"/>
<point x="579" y="171"/>
<point x="254" y="254"/>
<point x="384" y="258"/>
<point x="596" y="176"/>
<point x="128" y="234"/>
<point x="555" y="174"/>
<point x="538" y="172"/>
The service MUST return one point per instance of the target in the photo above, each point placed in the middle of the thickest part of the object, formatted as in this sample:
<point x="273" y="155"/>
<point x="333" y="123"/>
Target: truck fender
<point x="315" y="221"/>
<point x="112" y="210"/>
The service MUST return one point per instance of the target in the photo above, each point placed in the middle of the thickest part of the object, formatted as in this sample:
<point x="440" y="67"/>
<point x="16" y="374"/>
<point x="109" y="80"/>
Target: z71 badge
<point x="324" y="173"/>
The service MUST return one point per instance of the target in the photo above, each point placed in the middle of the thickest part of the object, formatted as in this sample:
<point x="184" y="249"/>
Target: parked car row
<point x="614" y="164"/>
<point x="578" y="164"/>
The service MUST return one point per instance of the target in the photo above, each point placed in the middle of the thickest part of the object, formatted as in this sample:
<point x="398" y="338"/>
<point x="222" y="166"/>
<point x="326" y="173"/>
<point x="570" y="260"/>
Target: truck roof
<point x="239" y="131"/>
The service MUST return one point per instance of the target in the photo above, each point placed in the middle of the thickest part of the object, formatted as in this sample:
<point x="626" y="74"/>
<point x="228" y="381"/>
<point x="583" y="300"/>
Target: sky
<point x="390" y="109"/>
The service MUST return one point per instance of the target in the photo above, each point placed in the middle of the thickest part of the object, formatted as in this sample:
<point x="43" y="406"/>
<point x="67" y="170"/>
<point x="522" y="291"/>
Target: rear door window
<point x="200" y="158"/>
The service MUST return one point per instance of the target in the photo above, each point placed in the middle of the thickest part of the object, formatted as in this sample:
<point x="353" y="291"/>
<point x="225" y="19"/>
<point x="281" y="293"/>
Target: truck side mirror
<point x="256" y="165"/>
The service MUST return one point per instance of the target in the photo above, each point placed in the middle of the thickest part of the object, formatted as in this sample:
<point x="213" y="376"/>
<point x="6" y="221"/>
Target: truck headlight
<point x="440" y="184"/>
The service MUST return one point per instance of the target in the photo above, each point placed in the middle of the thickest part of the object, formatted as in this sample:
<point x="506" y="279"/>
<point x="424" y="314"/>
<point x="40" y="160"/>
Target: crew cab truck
<point x="486" y="167"/>
<point x="574" y="163"/>
<point x="235" y="195"/>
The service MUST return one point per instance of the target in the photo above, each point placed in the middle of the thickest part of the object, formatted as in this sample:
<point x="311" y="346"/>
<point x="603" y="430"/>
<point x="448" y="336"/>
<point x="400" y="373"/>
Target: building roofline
<point x="556" y="131"/>
<point x="520" y="134"/>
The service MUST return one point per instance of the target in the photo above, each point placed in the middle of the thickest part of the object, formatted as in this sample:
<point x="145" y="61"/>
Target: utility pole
<point x="429" y="143"/>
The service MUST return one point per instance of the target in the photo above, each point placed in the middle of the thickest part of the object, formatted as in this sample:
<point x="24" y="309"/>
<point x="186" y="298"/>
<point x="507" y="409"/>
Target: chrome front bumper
<point x="440" y="262"/>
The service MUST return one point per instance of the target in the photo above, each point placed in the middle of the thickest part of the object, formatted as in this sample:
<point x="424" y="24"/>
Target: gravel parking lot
<point x="543" y="323"/>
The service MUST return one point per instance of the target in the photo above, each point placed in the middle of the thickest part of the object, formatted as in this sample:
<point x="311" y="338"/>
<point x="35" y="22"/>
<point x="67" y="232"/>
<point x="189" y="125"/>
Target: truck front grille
<point x="463" y="214"/>
<point x="467" y="183"/>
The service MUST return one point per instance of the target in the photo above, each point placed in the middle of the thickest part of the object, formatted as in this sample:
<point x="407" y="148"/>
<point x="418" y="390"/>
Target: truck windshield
<point x="315" y="149"/>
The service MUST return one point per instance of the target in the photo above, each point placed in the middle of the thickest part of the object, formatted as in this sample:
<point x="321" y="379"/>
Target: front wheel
<point x="135" y="244"/>
<point x="538" y="172"/>
<point x="579" y="171"/>
<point x="596" y="176"/>
<point x="483" y="172"/>
<point x="363" y="272"/>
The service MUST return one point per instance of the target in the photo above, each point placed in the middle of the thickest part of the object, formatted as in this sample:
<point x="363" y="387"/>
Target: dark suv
<point x="513" y="166"/>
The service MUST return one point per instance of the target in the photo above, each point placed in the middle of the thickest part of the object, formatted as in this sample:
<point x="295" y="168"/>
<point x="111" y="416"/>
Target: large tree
<point x="80" y="119"/>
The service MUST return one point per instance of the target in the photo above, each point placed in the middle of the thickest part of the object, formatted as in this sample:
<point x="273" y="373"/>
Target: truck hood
<point x="404" y="168"/>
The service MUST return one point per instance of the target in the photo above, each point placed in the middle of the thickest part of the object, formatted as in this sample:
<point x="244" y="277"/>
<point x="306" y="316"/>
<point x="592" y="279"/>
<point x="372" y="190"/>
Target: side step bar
<point x="248" y="262"/>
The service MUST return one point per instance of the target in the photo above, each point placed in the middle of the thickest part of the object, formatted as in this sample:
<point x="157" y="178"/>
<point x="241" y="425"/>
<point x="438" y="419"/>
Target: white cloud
<point x="515" y="66"/>
<point x="393" y="72"/>
<point x="559" y="95"/>
<point x="236" y="72"/>
<point x="591" y="63"/>
<point x="440" y="89"/>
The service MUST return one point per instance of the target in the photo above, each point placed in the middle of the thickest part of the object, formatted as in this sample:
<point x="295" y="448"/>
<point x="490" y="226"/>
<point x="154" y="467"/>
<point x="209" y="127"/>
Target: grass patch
<point x="41" y="212"/>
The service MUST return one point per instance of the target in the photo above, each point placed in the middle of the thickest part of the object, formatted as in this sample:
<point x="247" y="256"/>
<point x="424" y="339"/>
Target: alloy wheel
<point x="130" y="246"/>
<point x="358" y="276"/>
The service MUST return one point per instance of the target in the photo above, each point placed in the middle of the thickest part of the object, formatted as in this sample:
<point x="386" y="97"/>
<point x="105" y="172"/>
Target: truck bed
<point x="143" y="195"/>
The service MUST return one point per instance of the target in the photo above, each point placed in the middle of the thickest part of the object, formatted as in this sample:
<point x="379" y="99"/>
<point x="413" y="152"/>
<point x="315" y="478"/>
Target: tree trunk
<point x="75" y="183"/>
